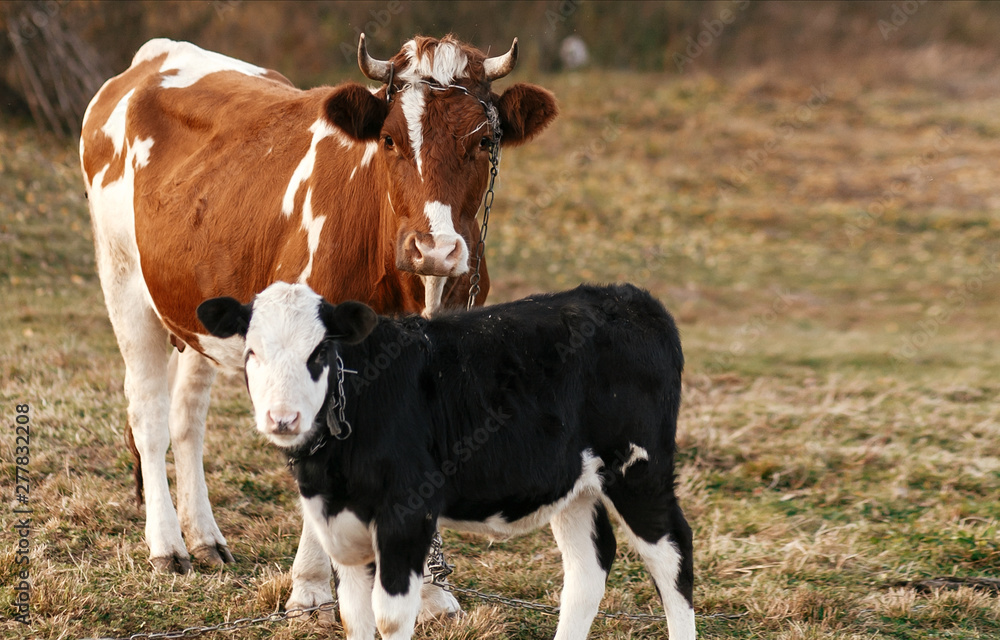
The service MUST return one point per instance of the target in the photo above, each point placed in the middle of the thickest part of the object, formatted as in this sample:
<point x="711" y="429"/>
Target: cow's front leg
<point x="398" y="580"/>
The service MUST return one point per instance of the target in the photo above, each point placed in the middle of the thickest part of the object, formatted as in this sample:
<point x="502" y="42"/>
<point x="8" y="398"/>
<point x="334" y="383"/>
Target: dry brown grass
<point x="840" y="426"/>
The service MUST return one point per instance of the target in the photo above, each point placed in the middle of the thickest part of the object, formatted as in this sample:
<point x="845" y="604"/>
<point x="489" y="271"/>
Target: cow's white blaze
<point x="284" y="330"/>
<point x="445" y="239"/>
<point x="413" y="110"/>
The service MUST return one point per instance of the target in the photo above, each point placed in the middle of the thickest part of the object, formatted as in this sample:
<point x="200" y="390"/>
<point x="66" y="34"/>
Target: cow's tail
<point x="137" y="469"/>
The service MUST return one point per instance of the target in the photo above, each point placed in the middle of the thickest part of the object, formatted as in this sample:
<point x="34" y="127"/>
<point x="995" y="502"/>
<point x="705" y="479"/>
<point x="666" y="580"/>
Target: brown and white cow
<point x="208" y="176"/>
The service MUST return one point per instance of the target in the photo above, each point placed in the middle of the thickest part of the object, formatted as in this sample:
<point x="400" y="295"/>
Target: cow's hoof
<point x="213" y="555"/>
<point x="171" y="564"/>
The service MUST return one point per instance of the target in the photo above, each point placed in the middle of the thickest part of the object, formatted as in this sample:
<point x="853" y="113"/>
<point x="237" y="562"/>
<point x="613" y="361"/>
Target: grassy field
<point x="831" y="249"/>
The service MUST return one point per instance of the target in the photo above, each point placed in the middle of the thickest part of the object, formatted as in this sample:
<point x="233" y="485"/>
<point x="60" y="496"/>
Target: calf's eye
<point x="388" y="142"/>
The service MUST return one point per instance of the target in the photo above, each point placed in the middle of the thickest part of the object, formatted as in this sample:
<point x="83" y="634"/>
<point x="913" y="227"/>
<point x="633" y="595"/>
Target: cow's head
<point x="291" y="338"/>
<point x="435" y="119"/>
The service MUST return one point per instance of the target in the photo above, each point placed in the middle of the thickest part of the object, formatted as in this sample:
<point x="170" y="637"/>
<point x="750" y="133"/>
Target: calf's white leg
<point x="311" y="572"/>
<point x="396" y="614"/>
<point x="354" y="593"/>
<point x="587" y="544"/>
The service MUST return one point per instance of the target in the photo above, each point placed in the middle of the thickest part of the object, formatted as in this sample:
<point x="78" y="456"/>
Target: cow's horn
<point x="499" y="66"/>
<point x="379" y="70"/>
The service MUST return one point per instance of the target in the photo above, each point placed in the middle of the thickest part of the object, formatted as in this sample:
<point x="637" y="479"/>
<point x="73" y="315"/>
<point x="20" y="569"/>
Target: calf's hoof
<point x="325" y="617"/>
<point x="171" y="564"/>
<point x="437" y="604"/>
<point x="214" y="555"/>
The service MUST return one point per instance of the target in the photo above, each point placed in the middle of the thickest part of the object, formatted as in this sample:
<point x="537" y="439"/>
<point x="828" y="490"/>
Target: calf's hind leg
<point x="657" y="530"/>
<point x="587" y="543"/>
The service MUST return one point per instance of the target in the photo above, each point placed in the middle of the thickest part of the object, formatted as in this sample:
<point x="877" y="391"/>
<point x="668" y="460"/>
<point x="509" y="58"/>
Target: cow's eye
<point x="486" y="143"/>
<point x="388" y="142"/>
<point x="318" y="357"/>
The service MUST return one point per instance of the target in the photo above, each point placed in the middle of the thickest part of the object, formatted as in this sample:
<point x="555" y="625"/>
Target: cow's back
<point x="187" y="156"/>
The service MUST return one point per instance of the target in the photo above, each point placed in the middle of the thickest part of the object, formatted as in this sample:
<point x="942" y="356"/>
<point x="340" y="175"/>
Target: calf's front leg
<point x="399" y="577"/>
<point x="354" y="593"/>
<point x="311" y="573"/>
<point x="396" y="610"/>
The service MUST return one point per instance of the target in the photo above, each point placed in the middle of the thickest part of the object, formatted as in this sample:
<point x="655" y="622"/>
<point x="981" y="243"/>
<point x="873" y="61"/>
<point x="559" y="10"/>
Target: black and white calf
<point x="555" y="409"/>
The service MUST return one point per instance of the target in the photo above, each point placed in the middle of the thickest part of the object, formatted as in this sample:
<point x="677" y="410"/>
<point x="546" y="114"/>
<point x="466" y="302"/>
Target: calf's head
<point x="435" y="120"/>
<point x="292" y="336"/>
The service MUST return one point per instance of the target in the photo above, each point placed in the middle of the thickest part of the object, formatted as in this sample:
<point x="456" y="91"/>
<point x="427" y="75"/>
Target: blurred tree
<point x="316" y="42"/>
<point x="57" y="73"/>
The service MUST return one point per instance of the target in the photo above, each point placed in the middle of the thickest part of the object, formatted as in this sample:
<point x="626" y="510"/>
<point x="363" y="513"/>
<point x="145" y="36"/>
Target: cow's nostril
<point x="456" y="253"/>
<point x="284" y="422"/>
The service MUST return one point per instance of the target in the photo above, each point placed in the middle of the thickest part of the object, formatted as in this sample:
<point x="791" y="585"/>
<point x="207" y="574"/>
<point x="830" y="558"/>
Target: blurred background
<point x="49" y="46"/>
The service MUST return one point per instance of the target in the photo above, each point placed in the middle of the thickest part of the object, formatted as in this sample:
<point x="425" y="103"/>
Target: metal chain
<point x="234" y="625"/>
<point x="487" y="205"/>
<point x="440" y="569"/>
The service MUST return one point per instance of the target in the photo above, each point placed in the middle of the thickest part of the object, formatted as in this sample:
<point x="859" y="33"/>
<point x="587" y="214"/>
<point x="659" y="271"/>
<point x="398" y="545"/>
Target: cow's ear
<point x="356" y="111"/>
<point x="350" y="322"/>
<point x="225" y="317"/>
<point x="525" y="111"/>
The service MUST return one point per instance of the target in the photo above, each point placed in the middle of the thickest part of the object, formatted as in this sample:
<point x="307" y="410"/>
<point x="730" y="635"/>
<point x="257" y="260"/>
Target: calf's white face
<point x="291" y="335"/>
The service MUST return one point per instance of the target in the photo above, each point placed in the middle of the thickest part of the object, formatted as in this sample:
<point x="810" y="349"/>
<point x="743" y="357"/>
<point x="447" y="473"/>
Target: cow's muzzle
<point x="428" y="255"/>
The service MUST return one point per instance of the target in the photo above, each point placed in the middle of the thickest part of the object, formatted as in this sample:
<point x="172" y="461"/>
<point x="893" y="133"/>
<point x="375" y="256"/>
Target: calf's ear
<point x="356" y="111"/>
<point x="350" y="322"/>
<point x="225" y="317"/>
<point x="525" y="111"/>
